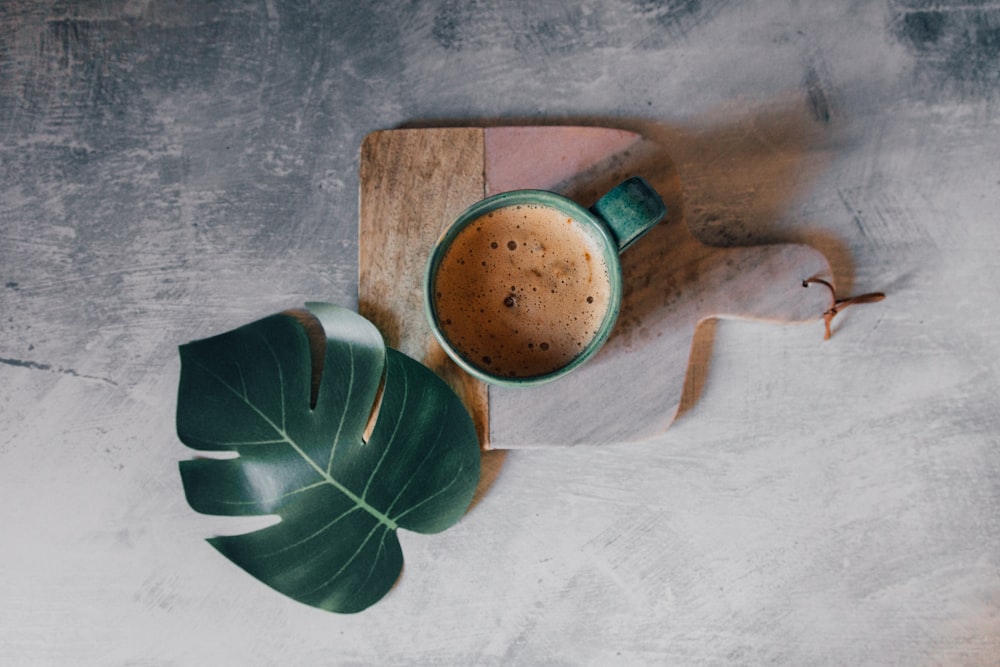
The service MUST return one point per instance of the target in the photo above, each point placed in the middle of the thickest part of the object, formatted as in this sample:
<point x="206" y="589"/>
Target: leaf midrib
<point x="287" y="439"/>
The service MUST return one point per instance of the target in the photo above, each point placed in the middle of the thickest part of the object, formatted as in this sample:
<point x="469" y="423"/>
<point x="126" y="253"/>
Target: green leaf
<point x="302" y="455"/>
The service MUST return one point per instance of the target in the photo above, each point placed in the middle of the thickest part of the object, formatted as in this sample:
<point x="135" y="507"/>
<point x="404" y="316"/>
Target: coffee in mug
<point x="522" y="290"/>
<point x="526" y="285"/>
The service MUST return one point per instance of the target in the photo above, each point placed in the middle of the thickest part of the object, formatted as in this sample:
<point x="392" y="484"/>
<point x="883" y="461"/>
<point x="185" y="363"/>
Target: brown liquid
<point x="522" y="290"/>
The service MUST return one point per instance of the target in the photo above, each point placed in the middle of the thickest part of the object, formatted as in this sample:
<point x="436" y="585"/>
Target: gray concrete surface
<point x="170" y="170"/>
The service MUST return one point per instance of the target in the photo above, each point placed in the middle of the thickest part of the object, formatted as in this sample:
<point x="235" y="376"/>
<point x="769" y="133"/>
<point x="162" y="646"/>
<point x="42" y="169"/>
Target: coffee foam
<point x="522" y="290"/>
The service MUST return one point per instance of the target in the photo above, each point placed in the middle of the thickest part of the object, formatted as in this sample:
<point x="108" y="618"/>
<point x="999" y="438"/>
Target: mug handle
<point x="630" y="210"/>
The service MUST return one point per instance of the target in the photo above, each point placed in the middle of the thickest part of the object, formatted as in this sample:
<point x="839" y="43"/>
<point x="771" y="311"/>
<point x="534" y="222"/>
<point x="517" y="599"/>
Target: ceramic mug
<point x="526" y="285"/>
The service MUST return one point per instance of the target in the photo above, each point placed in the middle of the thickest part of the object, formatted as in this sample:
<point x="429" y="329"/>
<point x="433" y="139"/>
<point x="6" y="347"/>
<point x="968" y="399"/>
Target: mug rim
<point x="594" y="225"/>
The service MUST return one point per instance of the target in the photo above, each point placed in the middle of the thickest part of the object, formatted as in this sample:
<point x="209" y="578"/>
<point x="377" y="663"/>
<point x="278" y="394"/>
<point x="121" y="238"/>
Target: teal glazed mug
<point x="526" y="285"/>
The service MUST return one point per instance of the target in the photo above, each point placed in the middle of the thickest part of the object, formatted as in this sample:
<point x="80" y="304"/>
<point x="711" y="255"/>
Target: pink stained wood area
<point x="545" y="157"/>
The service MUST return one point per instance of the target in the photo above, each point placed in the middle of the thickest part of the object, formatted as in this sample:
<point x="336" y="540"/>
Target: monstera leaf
<point x="303" y="454"/>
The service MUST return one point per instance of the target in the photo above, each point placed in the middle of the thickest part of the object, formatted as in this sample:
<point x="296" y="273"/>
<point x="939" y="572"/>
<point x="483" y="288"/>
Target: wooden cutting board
<point x="415" y="182"/>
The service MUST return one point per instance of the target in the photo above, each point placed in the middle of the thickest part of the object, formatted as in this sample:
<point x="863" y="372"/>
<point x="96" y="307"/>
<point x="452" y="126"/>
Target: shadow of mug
<point x="724" y="251"/>
<point x="730" y="183"/>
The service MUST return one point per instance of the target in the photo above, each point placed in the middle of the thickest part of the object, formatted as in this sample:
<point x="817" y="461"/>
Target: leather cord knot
<point x="837" y="305"/>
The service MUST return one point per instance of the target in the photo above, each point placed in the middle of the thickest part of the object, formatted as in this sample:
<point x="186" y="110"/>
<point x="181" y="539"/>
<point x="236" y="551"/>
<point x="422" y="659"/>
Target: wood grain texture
<point x="672" y="282"/>
<point x="412" y="185"/>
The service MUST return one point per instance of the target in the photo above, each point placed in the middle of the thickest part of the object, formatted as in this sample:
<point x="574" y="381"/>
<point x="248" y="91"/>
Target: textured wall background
<point x="170" y="170"/>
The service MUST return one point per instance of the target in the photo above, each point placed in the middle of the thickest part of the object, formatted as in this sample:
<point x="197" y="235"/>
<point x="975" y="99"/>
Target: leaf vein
<point x="241" y="443"/>
<point x="357" y="552"/>
<point x="444" y="489"/>
<point x="263" y="501"/>
<point x="416" y="471"/>
<point x="281" y="377"/>
<point x="405" y="385"/>
<point x="343" y="413"/>
<point x="359" y="501"/>
<point x="243" y="383"/>
<point x="379" y="554"/>
<point x="311" y="536"/>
